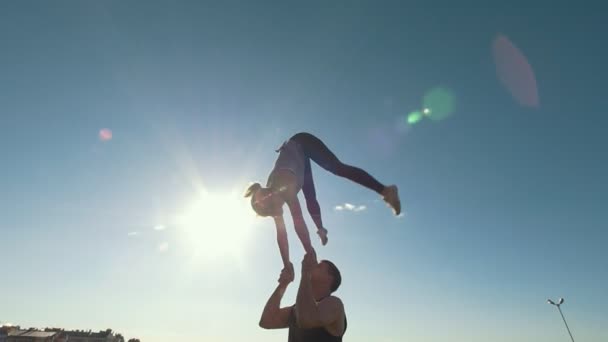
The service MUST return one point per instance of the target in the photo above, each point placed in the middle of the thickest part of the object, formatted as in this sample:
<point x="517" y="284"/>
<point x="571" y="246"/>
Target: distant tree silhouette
<point x="134" y="340"/>
<point x="119" y="338"/>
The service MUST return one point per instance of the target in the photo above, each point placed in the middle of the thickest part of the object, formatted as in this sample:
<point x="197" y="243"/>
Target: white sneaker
<point x="390" y="195"/>
<point x="323" y="236"/>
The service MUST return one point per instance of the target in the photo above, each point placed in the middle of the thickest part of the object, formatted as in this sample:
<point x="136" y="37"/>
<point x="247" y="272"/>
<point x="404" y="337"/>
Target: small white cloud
<point x="401" y="215"/>
<point x="159" y="227"/>
<point x="350" y="207"/>
<point x="163" y="247"/>
<point x="133" y="234"/>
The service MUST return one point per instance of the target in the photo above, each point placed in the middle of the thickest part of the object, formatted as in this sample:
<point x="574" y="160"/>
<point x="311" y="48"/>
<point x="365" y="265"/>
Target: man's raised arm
<point x="273" y="316"/>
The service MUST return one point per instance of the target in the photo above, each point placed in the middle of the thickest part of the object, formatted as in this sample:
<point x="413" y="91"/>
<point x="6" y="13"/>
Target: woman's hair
<point x="252" y="189"/>
<point x="263" y="207"/>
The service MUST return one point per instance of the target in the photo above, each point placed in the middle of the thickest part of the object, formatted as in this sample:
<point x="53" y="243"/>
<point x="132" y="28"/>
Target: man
<point x="317" y="316"/>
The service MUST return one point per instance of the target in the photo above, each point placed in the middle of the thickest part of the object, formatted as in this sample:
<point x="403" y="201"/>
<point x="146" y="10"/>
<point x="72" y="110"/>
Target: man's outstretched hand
<point x="287" y="275"/>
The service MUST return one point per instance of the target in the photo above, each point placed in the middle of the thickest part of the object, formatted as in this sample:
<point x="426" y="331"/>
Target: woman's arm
<point x="300" y="224"/>
<point x="282" y="241"/>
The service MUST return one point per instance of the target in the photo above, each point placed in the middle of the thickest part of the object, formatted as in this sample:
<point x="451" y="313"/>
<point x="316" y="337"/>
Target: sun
<point x="217" y="226"/>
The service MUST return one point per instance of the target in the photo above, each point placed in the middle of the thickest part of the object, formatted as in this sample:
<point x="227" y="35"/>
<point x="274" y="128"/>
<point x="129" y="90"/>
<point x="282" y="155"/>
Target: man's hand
<point x="309" y="263"/>
<point x="287" y="275"/>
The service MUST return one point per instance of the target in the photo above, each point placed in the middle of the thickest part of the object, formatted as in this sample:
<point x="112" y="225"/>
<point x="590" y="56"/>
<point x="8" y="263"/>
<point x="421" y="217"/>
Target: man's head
<point x="325" y="278"/>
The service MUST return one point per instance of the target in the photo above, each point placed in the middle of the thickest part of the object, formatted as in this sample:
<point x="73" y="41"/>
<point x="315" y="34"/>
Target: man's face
<point x="320" y="275"/>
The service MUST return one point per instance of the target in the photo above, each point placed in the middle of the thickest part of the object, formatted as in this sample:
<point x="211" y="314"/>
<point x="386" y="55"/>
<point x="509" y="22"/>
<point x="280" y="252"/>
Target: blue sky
<point x="503" y="204"/>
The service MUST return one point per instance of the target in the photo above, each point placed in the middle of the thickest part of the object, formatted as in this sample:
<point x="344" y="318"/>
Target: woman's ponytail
<point x="253" y="188"/>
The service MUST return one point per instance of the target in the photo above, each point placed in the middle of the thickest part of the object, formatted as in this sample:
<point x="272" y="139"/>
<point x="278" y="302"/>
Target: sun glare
<point x="217" y="225"/>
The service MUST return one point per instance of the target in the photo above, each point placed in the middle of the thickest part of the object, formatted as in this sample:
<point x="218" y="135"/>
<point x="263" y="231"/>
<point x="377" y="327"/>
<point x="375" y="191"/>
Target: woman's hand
<point x="287" y="275"/>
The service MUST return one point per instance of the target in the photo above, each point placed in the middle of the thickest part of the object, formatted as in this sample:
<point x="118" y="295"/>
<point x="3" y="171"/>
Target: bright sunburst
<point x="217" y="225"/>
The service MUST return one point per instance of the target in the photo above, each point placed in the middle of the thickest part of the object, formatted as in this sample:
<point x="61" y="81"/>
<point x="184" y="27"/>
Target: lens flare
<point x="105" y="134"/>
<point x="438" y="104"/>
<point x="414" y="117"/>
<point x="514" y="72"/>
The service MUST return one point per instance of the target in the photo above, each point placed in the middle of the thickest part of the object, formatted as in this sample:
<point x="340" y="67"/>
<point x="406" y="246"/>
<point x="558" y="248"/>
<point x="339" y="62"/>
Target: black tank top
<point x="297" y="334"/>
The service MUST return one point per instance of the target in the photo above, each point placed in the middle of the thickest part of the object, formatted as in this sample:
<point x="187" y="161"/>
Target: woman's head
<point x="264" y="201"/>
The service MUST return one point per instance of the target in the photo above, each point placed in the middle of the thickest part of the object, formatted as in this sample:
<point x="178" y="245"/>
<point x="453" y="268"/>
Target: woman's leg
<point x="312" y="204"/>
<point x="316" y="150"/>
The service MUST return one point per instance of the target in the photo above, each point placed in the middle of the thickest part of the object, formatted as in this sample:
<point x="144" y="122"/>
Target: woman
<point x="292" y="173"/>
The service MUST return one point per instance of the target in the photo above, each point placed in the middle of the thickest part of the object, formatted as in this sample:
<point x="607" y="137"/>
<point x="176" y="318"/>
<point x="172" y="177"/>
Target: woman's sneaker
<point x="390" y="195"/>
